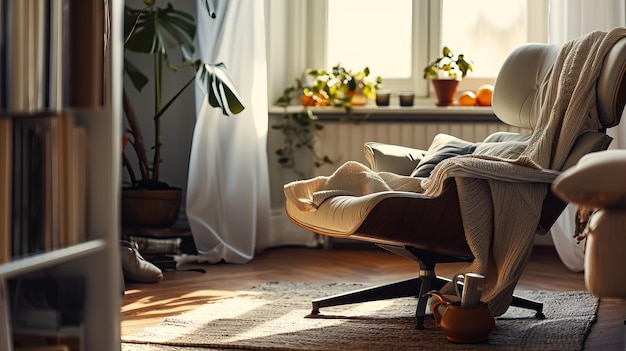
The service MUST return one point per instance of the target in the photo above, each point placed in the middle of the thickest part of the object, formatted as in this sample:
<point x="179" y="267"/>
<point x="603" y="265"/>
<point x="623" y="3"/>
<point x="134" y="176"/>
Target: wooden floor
<point x="148" y="304"/>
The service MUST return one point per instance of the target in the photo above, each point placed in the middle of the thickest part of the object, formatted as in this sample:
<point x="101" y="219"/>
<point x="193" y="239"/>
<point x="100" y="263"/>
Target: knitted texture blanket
<point x="500" y="199"/>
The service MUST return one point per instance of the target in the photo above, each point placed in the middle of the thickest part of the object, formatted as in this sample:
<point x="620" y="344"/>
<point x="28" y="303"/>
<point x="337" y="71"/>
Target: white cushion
<point x="598" y="180"/>
<point x="520" y="84"/>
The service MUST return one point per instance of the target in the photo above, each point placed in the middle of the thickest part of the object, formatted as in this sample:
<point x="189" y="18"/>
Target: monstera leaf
<point x="219" y="86"/>
<point x="155" y="29"/>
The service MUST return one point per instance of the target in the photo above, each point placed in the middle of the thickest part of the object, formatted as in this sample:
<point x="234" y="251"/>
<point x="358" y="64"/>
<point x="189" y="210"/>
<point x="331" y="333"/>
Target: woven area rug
<point x="272" y="317"/>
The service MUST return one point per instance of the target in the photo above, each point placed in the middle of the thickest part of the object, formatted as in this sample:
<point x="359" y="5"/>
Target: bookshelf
<point x="60" y="132"/>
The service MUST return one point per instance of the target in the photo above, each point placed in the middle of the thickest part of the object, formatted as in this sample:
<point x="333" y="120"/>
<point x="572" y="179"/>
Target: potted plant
<point x="342" y="87"/>
<point x="445" y="72"/>
<point x="153" y="30"/>
<point x="339" y="87"/>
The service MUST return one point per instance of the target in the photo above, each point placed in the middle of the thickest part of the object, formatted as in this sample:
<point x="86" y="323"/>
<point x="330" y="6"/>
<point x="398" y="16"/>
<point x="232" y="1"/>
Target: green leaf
<point x="220" y="89"/>
<point x="156" y="29"/>
<point x="138" y="79"/>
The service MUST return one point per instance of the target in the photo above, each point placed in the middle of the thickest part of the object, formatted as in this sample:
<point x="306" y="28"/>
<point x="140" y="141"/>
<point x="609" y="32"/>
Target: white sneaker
<point x="135" y="267"/>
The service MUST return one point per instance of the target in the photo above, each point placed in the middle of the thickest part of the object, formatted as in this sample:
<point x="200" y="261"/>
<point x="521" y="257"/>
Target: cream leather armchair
<point x="432" y="230"/>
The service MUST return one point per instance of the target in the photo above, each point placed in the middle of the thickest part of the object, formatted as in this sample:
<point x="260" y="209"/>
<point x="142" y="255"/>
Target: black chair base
<point x="417" y="287"/>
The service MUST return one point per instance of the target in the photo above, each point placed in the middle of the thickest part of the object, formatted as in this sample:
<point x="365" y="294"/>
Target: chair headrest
<point x="521" y="82"/>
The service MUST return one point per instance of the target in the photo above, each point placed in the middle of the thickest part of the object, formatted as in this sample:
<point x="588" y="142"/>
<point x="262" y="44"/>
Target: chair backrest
<point x="520" y="84"/>
<point x="517" y="101"/>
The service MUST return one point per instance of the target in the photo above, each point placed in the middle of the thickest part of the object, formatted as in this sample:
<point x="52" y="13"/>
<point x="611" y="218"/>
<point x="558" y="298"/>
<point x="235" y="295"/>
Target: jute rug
<point x="272" y="317"/>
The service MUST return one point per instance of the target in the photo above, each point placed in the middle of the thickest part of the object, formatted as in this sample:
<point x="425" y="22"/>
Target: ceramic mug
<point x="472" y="288"/>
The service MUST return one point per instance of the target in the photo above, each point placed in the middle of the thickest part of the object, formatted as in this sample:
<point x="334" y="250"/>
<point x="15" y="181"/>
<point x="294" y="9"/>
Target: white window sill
<point x="423" y="110"/>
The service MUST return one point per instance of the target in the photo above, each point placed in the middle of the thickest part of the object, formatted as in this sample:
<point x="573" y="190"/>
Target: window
<point x="397" y="39"/>
<point x="369" y="33"/>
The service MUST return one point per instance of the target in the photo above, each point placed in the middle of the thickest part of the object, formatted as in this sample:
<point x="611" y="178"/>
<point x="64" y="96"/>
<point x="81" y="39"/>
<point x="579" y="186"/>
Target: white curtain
<point x="228" y="205"/>
<point x="570" y="19"/>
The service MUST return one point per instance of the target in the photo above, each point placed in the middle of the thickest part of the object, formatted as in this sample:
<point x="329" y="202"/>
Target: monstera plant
<point x="157" y="31"/>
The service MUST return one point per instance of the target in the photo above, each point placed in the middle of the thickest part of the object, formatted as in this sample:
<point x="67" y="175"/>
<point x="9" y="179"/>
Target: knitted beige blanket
<point x="501" y="204"/>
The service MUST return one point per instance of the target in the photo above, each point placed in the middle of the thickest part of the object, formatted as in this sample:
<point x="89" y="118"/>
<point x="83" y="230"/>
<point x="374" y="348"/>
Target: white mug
<point x="472" y="288"/>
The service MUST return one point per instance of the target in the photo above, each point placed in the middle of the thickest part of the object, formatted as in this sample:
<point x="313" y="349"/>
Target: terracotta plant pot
<point x="150" y="208"/>
<point x="445" y="89"/>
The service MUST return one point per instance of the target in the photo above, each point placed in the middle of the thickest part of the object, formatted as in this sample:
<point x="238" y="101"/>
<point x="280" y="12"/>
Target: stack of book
<point x="50" y="70"/>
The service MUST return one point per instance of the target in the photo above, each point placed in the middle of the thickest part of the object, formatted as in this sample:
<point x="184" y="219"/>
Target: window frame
<point x="427" y="41"/>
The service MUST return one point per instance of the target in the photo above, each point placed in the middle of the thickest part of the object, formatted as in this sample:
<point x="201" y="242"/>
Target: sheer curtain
<point x="570" y="19"/>
<point x="228" y="204"/>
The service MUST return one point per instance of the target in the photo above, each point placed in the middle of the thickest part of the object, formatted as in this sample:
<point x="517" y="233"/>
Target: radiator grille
<point x="343" y="141"/>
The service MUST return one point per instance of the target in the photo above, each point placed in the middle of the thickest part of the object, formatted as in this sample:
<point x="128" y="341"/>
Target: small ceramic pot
<point x="463" y="324"/>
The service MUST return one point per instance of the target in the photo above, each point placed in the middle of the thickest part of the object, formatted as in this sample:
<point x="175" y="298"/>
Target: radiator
<point x="343" y="141"/>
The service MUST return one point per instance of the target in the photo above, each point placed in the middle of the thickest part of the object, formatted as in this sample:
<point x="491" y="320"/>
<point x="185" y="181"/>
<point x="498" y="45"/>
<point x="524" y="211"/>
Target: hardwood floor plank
<point x="148" y="304"/>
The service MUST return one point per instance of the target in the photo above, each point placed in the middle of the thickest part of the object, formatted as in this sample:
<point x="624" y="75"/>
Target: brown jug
<point x="463" y="324"/>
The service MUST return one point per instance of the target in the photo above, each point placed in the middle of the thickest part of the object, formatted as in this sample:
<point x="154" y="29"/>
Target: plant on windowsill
<point x="340" y="87"/>
<point x="154" y="31"/>
<point x="445" y="73"/>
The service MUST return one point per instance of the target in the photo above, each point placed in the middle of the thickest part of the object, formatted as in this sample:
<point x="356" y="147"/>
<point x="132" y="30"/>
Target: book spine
<point x="6" y="153"/>
<point x="3" y="54"/>
<point x="16" y="213"/>
<point x="86" y="54"/>
<point x="6" y="339"/>
<point x="66" y="179"/>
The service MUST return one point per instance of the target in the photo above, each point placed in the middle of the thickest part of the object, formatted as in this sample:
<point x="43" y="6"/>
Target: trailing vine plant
<point x="339" y="88"/>
<point x="300" y="130"/>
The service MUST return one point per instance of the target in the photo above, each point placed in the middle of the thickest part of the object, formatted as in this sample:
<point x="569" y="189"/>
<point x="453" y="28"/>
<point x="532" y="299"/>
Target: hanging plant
<point x="301" y="129"/>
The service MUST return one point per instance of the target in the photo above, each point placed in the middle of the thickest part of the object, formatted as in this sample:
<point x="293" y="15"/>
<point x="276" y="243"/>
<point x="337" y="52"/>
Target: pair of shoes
<point x="135" y="267"/>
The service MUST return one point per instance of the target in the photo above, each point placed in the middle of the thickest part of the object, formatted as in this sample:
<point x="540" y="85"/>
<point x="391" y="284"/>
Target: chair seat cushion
<point x="341" y="216"/>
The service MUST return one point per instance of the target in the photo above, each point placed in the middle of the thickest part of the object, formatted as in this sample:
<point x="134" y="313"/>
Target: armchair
<point x="485" y="206"/>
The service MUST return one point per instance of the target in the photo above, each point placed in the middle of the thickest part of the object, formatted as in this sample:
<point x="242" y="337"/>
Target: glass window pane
<point x="371" y="33"/>
<point x="484" y="30"/>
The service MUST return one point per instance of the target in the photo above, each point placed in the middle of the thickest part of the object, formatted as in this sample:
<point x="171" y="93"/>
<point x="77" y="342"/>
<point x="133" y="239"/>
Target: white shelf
<point x="47" y="259"/>
<point x="84" y="86"/>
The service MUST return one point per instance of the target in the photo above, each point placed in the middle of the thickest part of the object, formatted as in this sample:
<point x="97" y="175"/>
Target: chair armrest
<point x="397" y="159"/>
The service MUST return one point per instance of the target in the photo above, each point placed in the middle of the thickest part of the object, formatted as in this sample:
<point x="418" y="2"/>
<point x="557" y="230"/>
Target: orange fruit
<point x="467" y="98"/>
<point x="484" y="94"/>
<point x="321" y="99"/>
<point x="307" y="100"/>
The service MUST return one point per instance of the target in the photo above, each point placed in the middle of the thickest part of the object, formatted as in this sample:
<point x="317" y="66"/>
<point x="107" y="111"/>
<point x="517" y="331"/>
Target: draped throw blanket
<point x="500" y="199"/>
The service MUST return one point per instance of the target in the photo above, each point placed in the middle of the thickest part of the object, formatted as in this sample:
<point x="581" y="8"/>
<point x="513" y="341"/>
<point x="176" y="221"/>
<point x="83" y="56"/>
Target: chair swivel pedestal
<point x="417" y="287"/>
